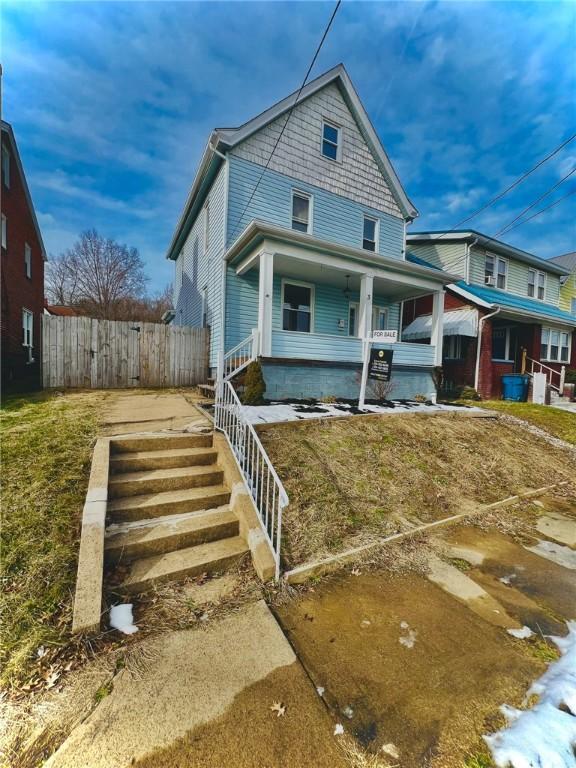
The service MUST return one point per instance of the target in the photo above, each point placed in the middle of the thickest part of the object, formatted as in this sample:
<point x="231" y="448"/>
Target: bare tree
<point x="97" y="275"/>
<point x="148" y="309"/>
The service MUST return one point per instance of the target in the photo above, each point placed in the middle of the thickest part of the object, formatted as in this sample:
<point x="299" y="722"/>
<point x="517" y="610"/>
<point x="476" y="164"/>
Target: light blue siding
<point x="335" y="218"/>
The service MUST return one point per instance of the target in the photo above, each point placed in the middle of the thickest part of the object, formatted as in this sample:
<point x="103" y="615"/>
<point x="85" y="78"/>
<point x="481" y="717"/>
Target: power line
<point x="543" y="210"/>
<point x="514" y="184"/>
<point x="529" y="207"/>
<point x="318" y="49"/>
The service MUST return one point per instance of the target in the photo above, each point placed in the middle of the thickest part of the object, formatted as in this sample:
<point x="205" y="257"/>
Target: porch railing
<point x="262" y="482"/>
<point x="552" y="375"/>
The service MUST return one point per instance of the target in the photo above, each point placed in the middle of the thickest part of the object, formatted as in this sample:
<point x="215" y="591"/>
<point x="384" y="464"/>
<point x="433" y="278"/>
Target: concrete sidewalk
<point x="151" y="412"/>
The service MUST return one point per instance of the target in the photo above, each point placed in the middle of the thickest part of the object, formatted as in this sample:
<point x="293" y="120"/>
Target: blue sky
<point x="112" y="104"/>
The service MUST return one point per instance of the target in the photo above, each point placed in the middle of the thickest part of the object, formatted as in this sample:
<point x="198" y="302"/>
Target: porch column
<point x="365" y="308"/>
<point x="437" y="335"/>
<point x="265" y="288"/>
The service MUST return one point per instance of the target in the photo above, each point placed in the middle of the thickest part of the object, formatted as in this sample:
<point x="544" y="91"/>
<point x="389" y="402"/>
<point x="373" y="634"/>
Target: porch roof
<point x="259" y="233"/>
<point x="457" y="322"/>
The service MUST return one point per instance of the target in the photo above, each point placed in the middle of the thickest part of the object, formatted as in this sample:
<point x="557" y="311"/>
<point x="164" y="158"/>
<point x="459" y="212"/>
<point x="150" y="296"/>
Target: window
<point x="495" y="271"/>
<point x="573" y="306"/>
<point x="27" y="260"/>
<point x="501" y="344"/>
<point x="297" y="300"/>
<point x="206" y="226"/>
<point x="536" y="284"/>
<point x="378" y="319"/>
<point x="331" y="147"/>
<point x="452" y="349"/>
<point x="353" y="319"/>
<point x="27" y="324"/>
<point x="6" y="166"/>
<point x="555" y="346"/>
<point x="4" y="232"/>
<point x="301" y="205"/>
<point x="370" y="233"/>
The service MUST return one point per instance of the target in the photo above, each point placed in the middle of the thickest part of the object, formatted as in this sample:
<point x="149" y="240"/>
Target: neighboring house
<point x="567" y="283"/>
<point x="306" y="244"/>
<point x="60" y="310"/>
<point x="508" y="298"/>
<point x="22" y="273"/>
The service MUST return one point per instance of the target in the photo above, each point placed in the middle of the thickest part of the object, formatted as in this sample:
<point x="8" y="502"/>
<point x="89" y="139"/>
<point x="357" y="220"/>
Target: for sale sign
<point x="387" y="336"/>
<point x="380" y="364"/>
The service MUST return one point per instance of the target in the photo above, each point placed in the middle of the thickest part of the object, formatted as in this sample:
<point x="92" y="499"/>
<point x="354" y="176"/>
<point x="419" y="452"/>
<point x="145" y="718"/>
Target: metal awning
<point x="458" y="322"/>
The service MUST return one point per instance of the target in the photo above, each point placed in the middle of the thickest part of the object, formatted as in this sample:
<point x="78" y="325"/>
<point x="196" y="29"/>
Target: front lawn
<point x="47" y="442"/>
<point x="556" y="421"/>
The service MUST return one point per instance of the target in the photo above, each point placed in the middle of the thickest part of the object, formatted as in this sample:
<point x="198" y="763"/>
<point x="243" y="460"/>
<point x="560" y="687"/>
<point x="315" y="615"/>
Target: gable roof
<point x="567" y="260"/>
<point x="221" y="140"/>
<point x="7" y="130"/>
<point x="498" y="246"/>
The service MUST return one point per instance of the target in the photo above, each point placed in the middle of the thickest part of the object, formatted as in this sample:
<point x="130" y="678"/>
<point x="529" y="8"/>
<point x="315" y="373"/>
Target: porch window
<point x="501" y="344"/>
<point x="536" y="284"/>
<point x="27" y="324"/>
<point x="331" y="145"/>
<point x="378" y="319"/>
<point x="555" y="345"/>
<point x="297" y="306"/>
<point x="353" y="319"/>
<point x="495" y="271"/>
<point x="370" y="233"/>
<point x="452" y="349"/>
<point x="301" y="211"/>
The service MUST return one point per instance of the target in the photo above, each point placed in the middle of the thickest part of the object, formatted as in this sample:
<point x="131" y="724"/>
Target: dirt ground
<point x="350" y="480"/>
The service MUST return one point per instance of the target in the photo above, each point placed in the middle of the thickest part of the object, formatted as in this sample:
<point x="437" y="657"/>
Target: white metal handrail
<point x="265" y="487"/>
<point x="237" y="358"/>
<point x="550" y="372"/>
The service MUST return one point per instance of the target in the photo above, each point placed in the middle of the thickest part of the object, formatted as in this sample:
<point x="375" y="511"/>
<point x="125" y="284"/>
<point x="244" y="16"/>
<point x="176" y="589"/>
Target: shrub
<point x="254" y="385"/>
<point x="468" y="393"/>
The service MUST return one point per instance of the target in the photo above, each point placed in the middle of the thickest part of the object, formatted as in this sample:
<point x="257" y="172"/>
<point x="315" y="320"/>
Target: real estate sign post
<point x="377" y="363"/>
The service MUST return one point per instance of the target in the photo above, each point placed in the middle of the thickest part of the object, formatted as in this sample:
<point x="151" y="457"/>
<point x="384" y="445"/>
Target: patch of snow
<point x="338" y="729"/>
<point x="121" y="618"/>
<point x="507" y="579"/>
<point x="404" y="624"/>
<point x="348" y="712"/>
<point x="320" y="690"/>
<point x="521" y="634"/>
<point x="409" y="638"/>
<point x="365" y="623"/>
<point x="557" y="553"/>
<point x="391" y="750"/>
<point x="546" y="734"/>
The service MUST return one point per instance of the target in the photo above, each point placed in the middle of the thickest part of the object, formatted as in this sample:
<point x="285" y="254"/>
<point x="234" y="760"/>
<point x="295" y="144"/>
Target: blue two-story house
<point x="293" y="235"/>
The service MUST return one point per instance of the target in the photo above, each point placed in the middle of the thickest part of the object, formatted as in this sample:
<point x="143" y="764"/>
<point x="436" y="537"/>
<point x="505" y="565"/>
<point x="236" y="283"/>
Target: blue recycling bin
<point x="515" y="387"/>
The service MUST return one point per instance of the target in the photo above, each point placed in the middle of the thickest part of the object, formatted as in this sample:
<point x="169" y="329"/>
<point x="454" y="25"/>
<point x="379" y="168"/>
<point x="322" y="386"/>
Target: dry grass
<point x="352" y="479"/>
<point x="47" y="443"/>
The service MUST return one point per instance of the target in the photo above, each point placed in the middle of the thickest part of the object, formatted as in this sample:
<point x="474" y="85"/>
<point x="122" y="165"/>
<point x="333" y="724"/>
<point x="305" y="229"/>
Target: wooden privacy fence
<point x="101" y="354"/>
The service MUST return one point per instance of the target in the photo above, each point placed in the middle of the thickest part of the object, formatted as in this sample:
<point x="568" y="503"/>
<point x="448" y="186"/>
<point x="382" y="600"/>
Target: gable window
<point x="369" y="233"/>
<point x="452" y="348"/>
<point x="27" y="260"/>
<point x="331" y="141"/>
<point x="297" y="306"/>
<point x="501" y="347"/>
<point x="206" y="226"/>
<point x="6" y="166"/>
<point x="536" y="284"/>
<point x="495" y="271"/>
<point x="301" y="211"/>
<point x="27" y="324"/>
<point x="4" y="232"/>
<point x="555" y="345"/>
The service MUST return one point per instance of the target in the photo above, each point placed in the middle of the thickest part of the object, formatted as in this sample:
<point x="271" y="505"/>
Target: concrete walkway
<point x="151" y="411"/>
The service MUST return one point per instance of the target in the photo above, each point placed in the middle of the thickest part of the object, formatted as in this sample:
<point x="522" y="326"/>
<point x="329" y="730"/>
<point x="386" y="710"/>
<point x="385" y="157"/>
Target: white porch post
<point x="437" y="335"/>
<point x="365" y="309"/>
<point x="265" y="288"/>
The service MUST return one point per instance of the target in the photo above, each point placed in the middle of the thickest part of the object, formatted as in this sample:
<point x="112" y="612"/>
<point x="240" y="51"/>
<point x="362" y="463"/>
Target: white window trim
<point x="288" y="281"/>
<point x="507" y="358"/>
<point x="457" y="344"/>
<point x="338" y="128"/>
<point x="28" y="314"/>
<point x="496" y="259"/>
<point x="4" y="231"/>
<point x="206" y="210"/>
<point x="537" y="274"/>
<point x="356" y="307"/>
<point x="310" y="199"/>
<point x="376" y="310"/>
<point x="28" y="260"/>
<point x="376" y="220"/>
<point x="547" y="358"/>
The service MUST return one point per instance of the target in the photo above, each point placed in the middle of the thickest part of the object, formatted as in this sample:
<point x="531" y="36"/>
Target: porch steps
<point x="208" y="390"/>
<point x="168" y="512"/>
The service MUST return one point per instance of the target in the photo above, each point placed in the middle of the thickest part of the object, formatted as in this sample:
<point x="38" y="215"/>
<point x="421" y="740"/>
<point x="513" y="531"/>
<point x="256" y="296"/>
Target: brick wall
<point x="19" y="291"/>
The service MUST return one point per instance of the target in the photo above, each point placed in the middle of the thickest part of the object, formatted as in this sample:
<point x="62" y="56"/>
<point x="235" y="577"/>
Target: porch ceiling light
<point x="346" y="290"/>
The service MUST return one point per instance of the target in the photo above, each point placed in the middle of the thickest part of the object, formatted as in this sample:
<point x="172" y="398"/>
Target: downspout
<point x="479" y="344"/>
<point x="222" y="350"/>
<point x="469" y="247"/>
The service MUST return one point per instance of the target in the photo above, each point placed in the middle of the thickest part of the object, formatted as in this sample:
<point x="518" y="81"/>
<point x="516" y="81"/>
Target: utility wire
<point x="539" y="199"/>
<point x="514" y="184"/>
<point x="543" y="210"/>
<point x="318" y="49"/>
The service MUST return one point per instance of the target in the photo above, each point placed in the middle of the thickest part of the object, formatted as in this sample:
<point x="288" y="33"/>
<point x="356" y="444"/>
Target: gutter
<point x="479" y="345"/>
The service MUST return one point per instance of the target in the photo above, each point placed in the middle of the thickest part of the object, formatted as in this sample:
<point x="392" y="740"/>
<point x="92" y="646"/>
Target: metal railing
<point x="262" y="482"/>
<point x="535" y="366"/>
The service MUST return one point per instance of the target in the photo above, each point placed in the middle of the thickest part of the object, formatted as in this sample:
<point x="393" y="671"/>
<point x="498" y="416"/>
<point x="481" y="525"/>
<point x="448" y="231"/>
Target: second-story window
<point x="4" y="232"/>
<point x="206" y="226"/>
<point x="27" y="260"/>
<point x="301" y="205"/>
<point x="495" y="271"/>
<point x="331" y="141"/>
<point x="536" y="284"/>
<point x="6" y="166"/>
<point x="370" y="233"/>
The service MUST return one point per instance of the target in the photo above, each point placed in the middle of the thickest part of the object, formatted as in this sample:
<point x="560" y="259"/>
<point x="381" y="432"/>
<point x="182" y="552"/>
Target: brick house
<point x="21" y="275"/>
<point x="504" y="315"/>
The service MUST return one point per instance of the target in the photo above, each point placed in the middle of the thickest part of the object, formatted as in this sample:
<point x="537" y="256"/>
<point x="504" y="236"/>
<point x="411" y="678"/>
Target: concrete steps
<point x="168" y="510"/>
<point x="192" y="561"/>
